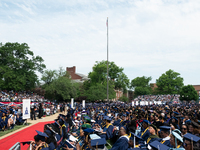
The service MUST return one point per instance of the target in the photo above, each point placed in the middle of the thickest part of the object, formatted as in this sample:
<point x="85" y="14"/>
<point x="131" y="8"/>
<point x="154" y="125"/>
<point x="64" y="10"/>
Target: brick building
<point x="77" y="77"/>
<point x="197" y="88"/>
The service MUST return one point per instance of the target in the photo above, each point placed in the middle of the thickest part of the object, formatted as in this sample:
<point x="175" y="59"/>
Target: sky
<point x="146" y="37"/>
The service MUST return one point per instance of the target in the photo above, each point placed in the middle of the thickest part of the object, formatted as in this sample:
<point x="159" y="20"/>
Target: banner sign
<point x="72" y="103"/>
<point x="26" y="108"/>
<point x="132" y="103"/>
<point x="83" y="103"/>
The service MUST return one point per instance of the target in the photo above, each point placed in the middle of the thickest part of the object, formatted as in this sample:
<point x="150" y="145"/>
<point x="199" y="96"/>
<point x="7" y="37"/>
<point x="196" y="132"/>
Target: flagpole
<point x="107" y="61"/>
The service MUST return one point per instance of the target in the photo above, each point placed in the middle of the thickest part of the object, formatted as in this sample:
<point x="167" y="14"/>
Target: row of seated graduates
<point x="54" y="135"/>
<point x="9" y="118"/>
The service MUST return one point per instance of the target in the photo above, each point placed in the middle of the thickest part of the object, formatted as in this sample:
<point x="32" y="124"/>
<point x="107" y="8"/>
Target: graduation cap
<point x="98" y="143"/>
<point x="3" y="111"/>
<point x="153" y="126"/>
<point x="146" y="121"/>
<point x="27" y="142"/>
<point x="88" y="130"/>
<point x="56" y="123"/>
<point x="138" y="149"/>
<point x="191" y="137"/>
<point x="105" y="117"/>
<point x="93" y="121"/>
<point x="50" y="129"/>
<point x="195" y="125"/>
<point x="158" y="146"/>
<point x="175" y="118"/>
<point x="165" y="128"/>
<point x="176" y="113"/>
<point x="41" y="136"/>
<point x="108" y="119"/>
<point x="84" y="126"/>
<point x="124" y="115"/>
<point x="188" y="121"/>
<point x="177" y="134"/>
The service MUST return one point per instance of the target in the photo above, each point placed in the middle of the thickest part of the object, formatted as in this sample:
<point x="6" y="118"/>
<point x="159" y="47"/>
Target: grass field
<point x="2" y="133"/>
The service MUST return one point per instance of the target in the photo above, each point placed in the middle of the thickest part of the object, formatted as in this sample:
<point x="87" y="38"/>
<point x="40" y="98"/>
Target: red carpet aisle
<point x="22" y="136"/>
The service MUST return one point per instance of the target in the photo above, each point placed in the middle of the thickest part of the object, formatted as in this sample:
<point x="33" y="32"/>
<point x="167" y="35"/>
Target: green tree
<point x="188" y="93"/>
<point x="141" y="82"/>
<point x="169" y="82"/>
<point x="18" y="67"/>
<point x="59" y="86"/>
<point x="99" y="92"/>
<point x="61" y="89"/>
<point x="48" y="76"/>
<point x="141" y="85"/>
<point x="123" y="99"/>
<point x="142" y="91"/>
<point x="116" y="75"/>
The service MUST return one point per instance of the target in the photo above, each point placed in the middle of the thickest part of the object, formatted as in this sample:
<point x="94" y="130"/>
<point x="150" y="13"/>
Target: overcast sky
<point x="146" y="37"/>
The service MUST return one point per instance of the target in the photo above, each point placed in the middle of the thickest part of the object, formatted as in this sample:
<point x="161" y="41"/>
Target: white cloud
<point x="146" y="37"/>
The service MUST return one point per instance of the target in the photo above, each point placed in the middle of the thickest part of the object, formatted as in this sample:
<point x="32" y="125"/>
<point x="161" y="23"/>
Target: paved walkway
<point x="44" y="119"/>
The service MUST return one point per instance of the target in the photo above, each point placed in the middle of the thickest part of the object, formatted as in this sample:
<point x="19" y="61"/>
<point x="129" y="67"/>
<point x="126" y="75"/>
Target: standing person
<point x="33" y="112"/>
<point x="64" y="108"/>
<point x="58" y="107"/>
<point x="40" y="111"/>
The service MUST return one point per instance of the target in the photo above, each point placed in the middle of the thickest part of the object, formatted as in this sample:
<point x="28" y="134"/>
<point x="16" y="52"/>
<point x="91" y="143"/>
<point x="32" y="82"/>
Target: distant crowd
<point x="164" y="98"/>
<point x="12" y="115"/>
<point x="11" y="96"/>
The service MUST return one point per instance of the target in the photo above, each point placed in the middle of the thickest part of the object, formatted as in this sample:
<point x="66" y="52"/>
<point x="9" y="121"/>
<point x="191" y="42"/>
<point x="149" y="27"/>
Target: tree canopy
<point x="59" y="86"/>
<point x="96" y="87"/>
<point x="188" y="93"/>
<point x="18" y="67"/>
<point x="169" y="82"/>
<point x="115" y="75"/>
<point x="141" y="85"/>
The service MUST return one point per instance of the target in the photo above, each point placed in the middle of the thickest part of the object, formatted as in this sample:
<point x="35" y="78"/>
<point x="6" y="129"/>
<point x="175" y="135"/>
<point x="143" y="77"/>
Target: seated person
<point x="11" y="119"/>
<point x="144" y="134"/>
<point x="153" y="136"/>
<point x="176" y="134"/>
<point x="4" y="121"/>
<point x="107" y="131"/>
<point x="164" y="134"/>
<point x="191" y="142"/>
<point x="39" y="142"/>
<point x="122" y="143"/>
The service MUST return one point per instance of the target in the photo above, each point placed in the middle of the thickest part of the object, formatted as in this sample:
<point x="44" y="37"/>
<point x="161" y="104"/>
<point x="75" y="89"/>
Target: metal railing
<point x="16" y="146"/>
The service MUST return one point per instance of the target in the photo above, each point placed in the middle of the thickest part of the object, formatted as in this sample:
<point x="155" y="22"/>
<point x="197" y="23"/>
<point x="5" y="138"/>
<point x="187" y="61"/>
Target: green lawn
<point x="107" y="145"/>
<point x="2" y="133"/>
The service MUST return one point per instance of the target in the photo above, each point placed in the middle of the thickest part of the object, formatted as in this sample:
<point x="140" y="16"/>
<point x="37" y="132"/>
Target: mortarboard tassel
<point x="97" y="146"/>
<point x="192" y="142"/>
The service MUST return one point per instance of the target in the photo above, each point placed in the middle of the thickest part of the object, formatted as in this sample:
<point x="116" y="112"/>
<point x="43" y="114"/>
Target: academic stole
<point x="144" y="131"/>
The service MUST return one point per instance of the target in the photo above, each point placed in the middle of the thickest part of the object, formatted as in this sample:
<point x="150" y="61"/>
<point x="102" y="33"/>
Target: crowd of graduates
<point x="9" y="117"/>
<point x="118" y="126"/>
